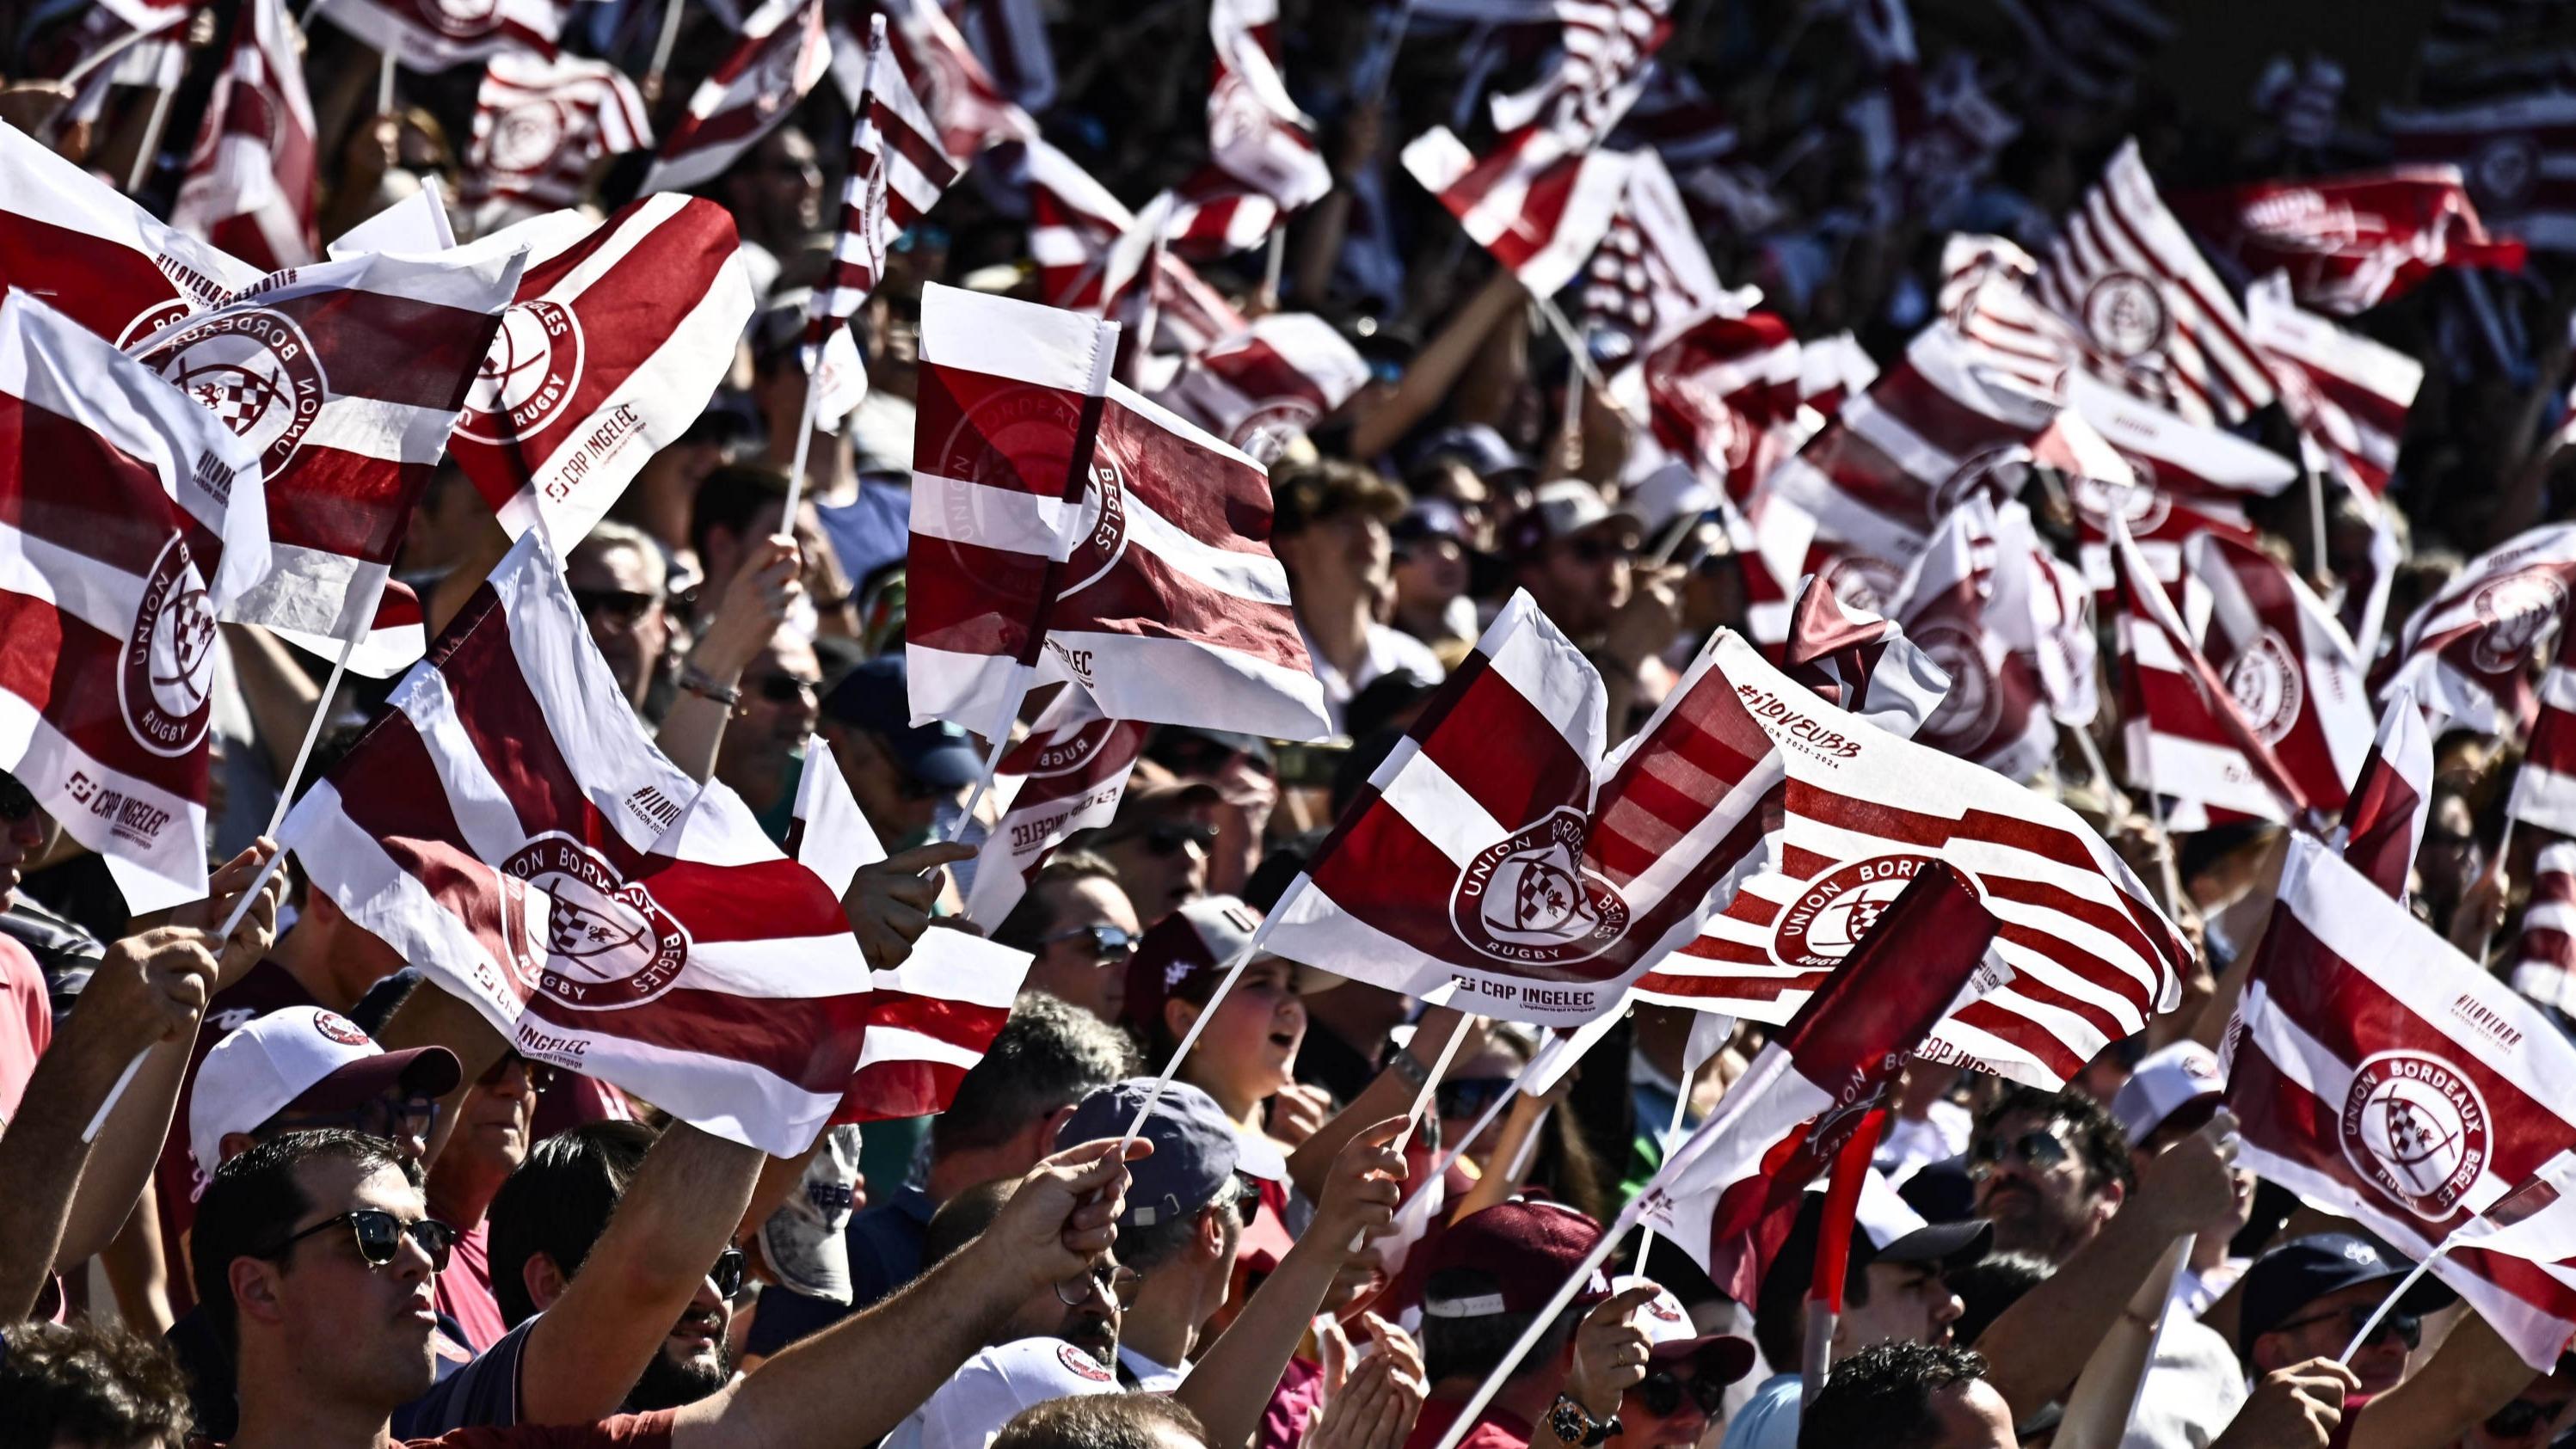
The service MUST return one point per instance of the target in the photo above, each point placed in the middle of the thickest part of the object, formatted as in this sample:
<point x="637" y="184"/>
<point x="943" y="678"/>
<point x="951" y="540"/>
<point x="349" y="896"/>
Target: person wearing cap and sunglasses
<point x="1577" y="556"/>
<point x="494" y="1123"/>
<point x="1077" y="924"/>
<point x="1687" y="1372"/>
<point x="900" y="774"/>
<point x="1159" y="842"/>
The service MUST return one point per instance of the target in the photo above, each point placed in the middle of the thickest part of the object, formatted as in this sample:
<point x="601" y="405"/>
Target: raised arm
<point x="1389" y="1094"/>
<point x="2473" y="1374"/>
<point x="754" y="603"/>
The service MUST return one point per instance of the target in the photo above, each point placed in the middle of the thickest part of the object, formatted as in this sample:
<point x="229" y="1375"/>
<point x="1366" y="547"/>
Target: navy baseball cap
<point x="874" y="697"/>
<point x="1479" y="446"/>
<point x="1197" y="1151"/>
<point x="2303" y="1270"/>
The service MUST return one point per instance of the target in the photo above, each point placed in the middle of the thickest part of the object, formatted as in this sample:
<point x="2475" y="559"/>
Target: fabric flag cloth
<point x="1066" y="777"/>
<point x="2285" y="658"/>
<point x="1810" y="1089"/>
<point x="434" y="35"/>
<point x="1073" y="224"/>
<point x="1261" y="389"/>
<point x="1723" y="397"/>
<point x="2153" y="317"/>
<point x="960" y="95"/>
<point x="540" y="127"/>
<point x="617" y="334"/>
<point x="1010" y="37"/>
<point x="2544" y="954"/>
<point x="74" y="242"/>
<point x="1651" y="280"/>
<point x="128" y="519"/>
<point x="2348" y="395"/>
<point x="2544" y="789"/>
<point x="2466" y="652"/>
<point x="2349" y="243"/>
<point x="2379" y="1074"/>
<point x="782" y="54"/>
<point x="2383" y="818"/>
<point x="1855" y="660"/>
<point x="1986" y="286"/>
<point x="1970" y="603"/>
<point x="2512" y="152"/>
<point x="1054" y="507"/>
<point x="249" y="187"/>
<point x="897" y="172"/>
<point x="1860" y="812"/>
<point x="1256" y="133"/>
<point x="826" y="831"/>
<point x="507" y="823"/>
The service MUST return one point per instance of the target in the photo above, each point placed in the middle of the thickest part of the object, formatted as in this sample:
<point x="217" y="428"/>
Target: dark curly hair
<point x="1882" y="1396"/>
<point x="2096" y="1135"/>
<point x="83" y="1383"/>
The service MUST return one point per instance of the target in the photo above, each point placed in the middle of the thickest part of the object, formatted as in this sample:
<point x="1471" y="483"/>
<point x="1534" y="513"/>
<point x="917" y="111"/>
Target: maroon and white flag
<point x="1855" y="660"/>
<point x="1860" y="811"/>
<point x="2544" y="954"/>
<point x="2544" y="789"/>
<point x="540" y="127"/>
<point x="2349" y="243"/>
<point x="1651" y="280"/>
<point x="897" y="172"/>
<point x="1010" y="37"/>
<point x="970" y="109"/>
<point x="1066" y="777"/>
<point x="507" y="823"/>
<point x="1723" y="397"/>
<point x="782" y="54"/>
<point x="1811" y="1086"/>
<point x="2382" y="1076"/>
<point x="2383" y="818"/>
<point x="128" y="519"/>
<point x="617" y="333"/>
<point x="70" y="240"/>
<point x="2467" y="652"/>
<point x="2153" y="317"/>
<point x="1073" y="223"/>
<point x="2287" y="661"/>
<point x="433" y="35"/>
<point x="1986" y="286"/>
<point x="1256" y="133"/>
<point x="1066" y="528"/>
<point x="1262" y="388"/>
<point x="2348" y="395"/>
<point x="249" y="187"/>
<point x="1970" y="603"/>
<point x="2513" y="152"/>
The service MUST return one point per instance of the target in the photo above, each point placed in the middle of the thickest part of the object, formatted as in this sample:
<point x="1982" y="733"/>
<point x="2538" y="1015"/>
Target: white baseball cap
<point x="2165" y="1084"/>
<point x="1670" y="1334"/>
<point x="303" y="1057"/>
<point x="991" y="1388"/>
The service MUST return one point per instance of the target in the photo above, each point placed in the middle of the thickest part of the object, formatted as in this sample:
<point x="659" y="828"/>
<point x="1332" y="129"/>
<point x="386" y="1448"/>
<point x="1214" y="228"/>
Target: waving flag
<point x="68" y="238"/>
<point x="1262" y="388"/>
<point x="2544" y="789"/>
<point x="2544" y="954"/>
<point x="1011" y="38"/>
<point x="431" y="35"/>
<point x="1650" y="281"/>
<point x="128" y="519"/>
<point x="2513" y="153"/>
<point x="956" y="90"/>
<point x="540" y="126"/>
<point x="1985" y="293"/>
<point x="2153" y="317"/>
<point x="2383" y="819"/>
<point x="2348" y="395"/>
<point x="1959" y="603"/>
<point x="1723" y="397"/>
<point x="897" y="172"/>
<point x="1860" y="813"/>
<point x="1066" y="777"/>
<point x="2381" y="1075"/>
<point x="249" y="187"/>
<point x="1256" y="134"/>
<point x="507" y="823"/>
<point x="2349" y="243"/>
<point x="2467" y="651"/>
<point x="2289" y="665"/>
<point x="782" y="54"/>
<point x="1855" y="660"/>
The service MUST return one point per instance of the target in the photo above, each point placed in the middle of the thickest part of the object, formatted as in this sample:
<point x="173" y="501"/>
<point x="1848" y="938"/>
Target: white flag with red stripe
<point x="70" y="240"/>
<point x="782" y="54"/>
<point x="540" y="126"/>
<point x="249" y="187"/>
<point x="1724" y="396"/>
<point x="2544" y="789"/>
<point x="434" y="35"/>
<point x="1256" y="133"/>
<point x="2188" y="479"/>
<point x="1859" y="812"/>
<point x="2383" y="818"/>
<point x="1971" y="602"/>
<point x="2544" y="954"/>
<point x="2348" y="395"/>
<point x="617" y="334"/>
<point x="1065" y="527"/>
<point x="128" y="519"/>
<point x="2467" y="652"/>
<point x="1855" y="660"/>
<point x="507" y="824"/>
<point x="2380" y="1075"/>
<point x="1066" y="777"/>
<point x="1651" y="280"/>
<point x="2293" y="671"/>
<point x="960" y="95"/>
<point x="1262" y="388"/>
<point x="2152" y="315"/>
<point x="897" y="172"/>
<point x="1985" y="294"/>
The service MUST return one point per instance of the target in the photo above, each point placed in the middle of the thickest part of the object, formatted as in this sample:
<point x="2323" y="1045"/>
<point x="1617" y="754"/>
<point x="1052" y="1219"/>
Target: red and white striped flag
<point x="2153" y="317"/>
<point x="434" y="35"/>
<point x="1859" y="813"/>
<point x="1986" y="286"/>
<point x="72" y="241"/>
<point x="249" y="187"/>
<point x="782" y="54"/>
<point x="128" y="519"/>
<point x="2287" y="661"/>
<point x="1073" y="223"/>
<point x="2514" y="153"/>
<point x="1832" y="371"/>
<point x="2349" y="243"/>
<point x="93" y="42"/>
<point x="540" y="126"/>
<point x="2467" y="651"/>
<point x="1055" y="507"/>
<point x="1651" y="280"/>
<point x="1811" y="1088"/>
<point x="2348" y="395"/>
<point x="1724" y="397"/>
<point x="2211" y="469"/>
<point x="2383" y="818"/>
<point x="2544" y="954"/>
<point x="2380" y="1075"/>
<point x="1066" y="777"/>
<point x="1970" y="603"/>
<point x="1260" y="389"/>
<point x="507" y="823"/>
<point x="2544" y="789"/>
<point x="344" y="377"/>
<point x="897" y="172"/>
<point x="1855" y="660"/>
<point x="2183" y="480"/>
<point x="971" y="111"/>
<point x="1256" y="133"/>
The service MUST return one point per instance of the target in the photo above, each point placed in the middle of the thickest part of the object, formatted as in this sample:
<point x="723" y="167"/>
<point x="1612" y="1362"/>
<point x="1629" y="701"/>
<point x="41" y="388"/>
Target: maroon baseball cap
<point x="1186" y="952"/>
<point x="1526" y="1249"/>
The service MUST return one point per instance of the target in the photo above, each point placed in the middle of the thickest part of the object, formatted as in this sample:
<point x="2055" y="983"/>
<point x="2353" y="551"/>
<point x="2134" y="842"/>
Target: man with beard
<point x="2051" y="1168"/>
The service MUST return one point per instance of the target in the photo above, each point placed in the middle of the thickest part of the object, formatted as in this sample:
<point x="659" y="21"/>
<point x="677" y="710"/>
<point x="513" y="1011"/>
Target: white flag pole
<point x="2504" y="882"/>
<point x="1539" y="1324"/>
<point x="997" y="742"/>
<point x="804" y="441"/>
<point x="662" y="50"/>
<point x="1451" y="1152"/>
<point x="1672" y="1131"/>
<point x="142" y="168"/>
<point x="2370" y="1325"/>
<point x="385" y="83"/>
<point x="1190" y="1038"/>
<point x="1271" y="266"/>
<point x="1431" y="1085"/>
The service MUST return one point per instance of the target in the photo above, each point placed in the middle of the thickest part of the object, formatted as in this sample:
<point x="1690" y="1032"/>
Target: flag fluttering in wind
<point x="783" y="53"/>
<point x="250" y="181"/>
<point x="539" y="127"/>
<point x="2466" y="653"/>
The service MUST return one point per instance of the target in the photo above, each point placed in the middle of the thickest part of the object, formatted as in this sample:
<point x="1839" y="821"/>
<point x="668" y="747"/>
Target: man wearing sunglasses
<point x="1078" y="925"/>
<point x="1159" y="843"/>
<point x="494" y="1122"/>
<point x="1687" y="1373"/>
<point x="618" y="578"/>
<point x="2050" y="1168"/>
<point x="1577" y="556"/>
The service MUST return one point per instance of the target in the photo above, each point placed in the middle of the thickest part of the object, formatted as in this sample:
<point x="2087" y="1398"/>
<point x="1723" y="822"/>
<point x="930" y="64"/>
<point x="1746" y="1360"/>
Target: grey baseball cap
<point x="1197" y="1150"/>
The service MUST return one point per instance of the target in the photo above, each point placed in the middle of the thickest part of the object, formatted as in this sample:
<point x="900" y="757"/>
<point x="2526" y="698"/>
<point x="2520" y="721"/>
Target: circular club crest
<point x="2143" y="507"/>
<point x="1969" y="712"/>
<point x="2125" y="316"/>
<point x="167" y="671"/>
<point x="1265" y="432"/>
<point x="2515" y="614"/>
<point x="1528" y="901"/>
<point x="339" y="1028"/>
<point x="1836" y="910"/>
<point x="2417" y="1128"/>
<point x="463" y="19"/>
<point x="1066" y="756"/>
<point x="527" y="136"/>
<point x="2503" y="169"/>
<point x="2266" y="682"/>
<point x="165" y="313"/>
<point x="1984" y="469"/>
<point x="1862" y="582"/>
<point x="1101" y="527"/>
<point x="527" y="378"/>
<point x="1081" y="1365"/>
<point x="255" y="371"/>
<point x="609" y="944"/>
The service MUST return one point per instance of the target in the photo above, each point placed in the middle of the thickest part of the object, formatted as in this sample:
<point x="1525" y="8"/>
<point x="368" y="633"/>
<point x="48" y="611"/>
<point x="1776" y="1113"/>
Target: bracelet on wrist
<point x="694" y="680"/>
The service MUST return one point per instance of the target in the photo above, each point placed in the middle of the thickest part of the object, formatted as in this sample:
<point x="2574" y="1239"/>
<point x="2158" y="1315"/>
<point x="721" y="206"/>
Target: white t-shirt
<point x="1389" y="649"/>
<point x="1151" y="1377"/>
<point x="2192" y="1390"/>
<point x="988" y="1389"/>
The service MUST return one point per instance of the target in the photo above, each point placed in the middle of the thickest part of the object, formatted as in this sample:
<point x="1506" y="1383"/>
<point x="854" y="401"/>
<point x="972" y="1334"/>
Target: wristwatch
<point x="1407" y="1066"/>
<point x="1574" y="1424"/>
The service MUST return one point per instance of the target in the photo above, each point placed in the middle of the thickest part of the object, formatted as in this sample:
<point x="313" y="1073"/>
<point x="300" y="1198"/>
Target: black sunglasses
<point x="2521" y="1417"/>
<point x="2408" y="1327"/>
<point x="728" y="1272"/>
<point x="1112" y="944"/>
<point x="627" y="604"/>
<point x="1470" y="1096"/>
<point x="2041" y="1150"/>
<point x="1170" y="837"/>
<point x="541" y="1076"/>
<point x="380" y="1235"/>
<point x="1662" y="1391"/>
<point x="780" y="687"/>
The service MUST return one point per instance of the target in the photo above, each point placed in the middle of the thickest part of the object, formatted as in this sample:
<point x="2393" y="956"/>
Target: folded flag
<point x="128" y="518"/>
<point x="249" y="187"/>
<point x="2383" y="819"/>
<point x="782" y="54"/>
<point x="826" y="831"/>
<point x="2349" y="243"/>
<point x="1855" y="660"/>
<point x="1256" y="133"/>
<point x="2380" y="1075"/>
<point x="434" y="35"/>
<point x="1262" y="388"/>
<point x="70" y="240"/>
<point x="540" y="127"/>
<point x="1066" y="777"/>
<point x="2467" y="651"/>
<point x="1970" y="602"/>
<point x="1723" y="397"/>
<point x="506" y="823"/>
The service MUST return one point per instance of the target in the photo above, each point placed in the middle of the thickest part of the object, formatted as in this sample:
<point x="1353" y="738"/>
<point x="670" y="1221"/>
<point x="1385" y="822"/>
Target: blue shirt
<point x="885" y="1253"/>
<point x="1768" y="1420"/>
<point x="482" y="1395"/>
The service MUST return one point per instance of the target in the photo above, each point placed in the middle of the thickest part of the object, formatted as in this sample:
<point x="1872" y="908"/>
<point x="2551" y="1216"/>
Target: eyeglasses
<point x="1171" y="837"/>
<point x="1111" y="944"/>
<point x="540" y="1075"/>
<point x="1116" y="1281"/>
<point x="628" y="605"/>
<point x="386" y="1117"/>
<point x="2408" y="1327"/>
<point x="2521" y="1417"/>
<point x="2041" y="1150"/>
<point x="727" y="1274"/>
<point x="380" y="1235"/>
<point x="780" y="687"/>
<point x="1662" y="1392"/>
<point x="1470" y="1096"/>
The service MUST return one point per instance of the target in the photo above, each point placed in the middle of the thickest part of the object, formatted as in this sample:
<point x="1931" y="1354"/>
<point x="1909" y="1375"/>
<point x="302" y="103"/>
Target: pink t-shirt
<point x="465" y="1289"/>
<point x="26" y="1023"/>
